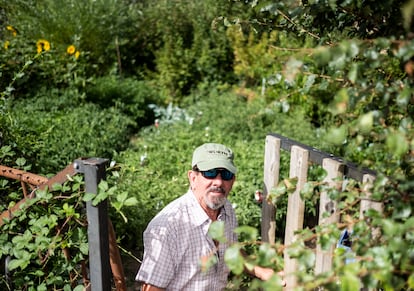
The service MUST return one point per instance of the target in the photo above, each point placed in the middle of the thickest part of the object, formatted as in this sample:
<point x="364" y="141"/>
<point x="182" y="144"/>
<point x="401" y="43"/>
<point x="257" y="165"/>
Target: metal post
<point x="98" y="237"/>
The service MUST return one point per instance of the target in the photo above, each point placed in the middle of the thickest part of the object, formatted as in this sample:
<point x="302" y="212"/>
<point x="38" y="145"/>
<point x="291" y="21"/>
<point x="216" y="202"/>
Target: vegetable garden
<point x="142" y="83"/>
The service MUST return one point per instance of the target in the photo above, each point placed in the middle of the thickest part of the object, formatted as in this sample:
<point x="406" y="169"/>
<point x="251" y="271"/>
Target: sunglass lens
<point x="226" y="175"/>
<point x="211" y="174"/>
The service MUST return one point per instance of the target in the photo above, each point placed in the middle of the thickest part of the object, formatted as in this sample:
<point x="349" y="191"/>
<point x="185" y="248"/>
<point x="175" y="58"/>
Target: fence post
<point x="271" y="179"/>
<point x="367" y="202"/>
<point x="334" y="169"/>
<point x="295" y="211"/>
<point x="98" y="236"/>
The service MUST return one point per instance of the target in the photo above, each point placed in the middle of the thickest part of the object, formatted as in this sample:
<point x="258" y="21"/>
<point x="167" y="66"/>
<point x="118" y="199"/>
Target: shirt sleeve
<point x="158" y="267"/>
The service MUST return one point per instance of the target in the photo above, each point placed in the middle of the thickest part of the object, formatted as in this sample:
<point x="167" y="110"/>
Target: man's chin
<point x="216" y="204"/>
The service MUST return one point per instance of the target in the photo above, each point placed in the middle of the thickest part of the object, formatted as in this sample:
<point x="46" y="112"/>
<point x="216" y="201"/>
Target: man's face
<point x="210" y="192"/>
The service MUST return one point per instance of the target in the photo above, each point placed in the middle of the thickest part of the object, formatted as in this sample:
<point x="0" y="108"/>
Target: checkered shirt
<point x="176" y="240"/>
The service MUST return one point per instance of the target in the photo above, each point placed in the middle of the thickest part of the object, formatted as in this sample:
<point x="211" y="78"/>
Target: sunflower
<point x="41" y="45"/>
<point x="11" y="29"/>
<point x="6" y="44"/>
<point x="71" y="49"/>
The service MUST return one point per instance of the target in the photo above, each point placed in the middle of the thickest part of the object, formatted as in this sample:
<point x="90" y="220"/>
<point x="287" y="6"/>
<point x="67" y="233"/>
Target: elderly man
<point x="176" y="241"/>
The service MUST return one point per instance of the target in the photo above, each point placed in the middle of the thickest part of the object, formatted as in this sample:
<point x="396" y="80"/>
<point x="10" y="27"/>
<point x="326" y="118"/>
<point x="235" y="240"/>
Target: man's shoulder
<point x="174" y="210"/>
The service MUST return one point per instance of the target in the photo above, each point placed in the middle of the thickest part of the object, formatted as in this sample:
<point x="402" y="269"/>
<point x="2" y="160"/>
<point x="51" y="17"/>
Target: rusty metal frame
<point x="36" y="182"/>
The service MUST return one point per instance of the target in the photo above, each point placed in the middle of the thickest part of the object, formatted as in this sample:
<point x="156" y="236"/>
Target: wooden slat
<point x="271" y="179"/>
<point x="334" y="170"/>
<point x="296" y="210"/>
<point x="367" y="202"/>
<point x="316" y="156"/>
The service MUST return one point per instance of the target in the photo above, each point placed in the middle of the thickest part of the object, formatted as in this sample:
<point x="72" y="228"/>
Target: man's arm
<point x="147" y="287"/>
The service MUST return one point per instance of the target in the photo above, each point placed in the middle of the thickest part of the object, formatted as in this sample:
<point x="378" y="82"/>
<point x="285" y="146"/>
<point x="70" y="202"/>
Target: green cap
<point x="213" y="155"/>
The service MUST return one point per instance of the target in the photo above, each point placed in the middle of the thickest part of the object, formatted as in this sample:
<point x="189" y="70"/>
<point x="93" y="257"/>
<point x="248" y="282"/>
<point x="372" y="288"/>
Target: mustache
<point x="216" y="189"/>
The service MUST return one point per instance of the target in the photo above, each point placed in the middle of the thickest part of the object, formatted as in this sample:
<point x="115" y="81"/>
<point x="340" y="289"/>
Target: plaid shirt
<point x="176" y="240"/>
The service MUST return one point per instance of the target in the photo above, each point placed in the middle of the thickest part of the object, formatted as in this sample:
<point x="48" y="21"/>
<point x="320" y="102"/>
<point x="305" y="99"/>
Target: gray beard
<point x="215" y="205"/>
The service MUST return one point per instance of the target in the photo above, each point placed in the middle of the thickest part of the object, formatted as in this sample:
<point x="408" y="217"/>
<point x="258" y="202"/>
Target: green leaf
<point x="19" y="263"/>
<point x="216" y="231"/>
<point x="21" y="162"/>
<point x="132" y="201"/>
<point x="337" y="135"/>
<point x="84" y="248"/>
<point x="350" y="282"/>
<point x="266" y="255"/>
<point x="103" y="185"/>
<point x="88" y="197"/>
<point x="353" y="73"/>
<point x="122" y="196"/>
<point x="273" y="284"/>
<point x="411" y="281"/>
<point x="402" y="210"/>
<point x="251" y="232"/>
<point x="366" y="122"/>
<point x="234" y="259"/>
<point x="340" y="103"/>
<point x="397" y="144"/>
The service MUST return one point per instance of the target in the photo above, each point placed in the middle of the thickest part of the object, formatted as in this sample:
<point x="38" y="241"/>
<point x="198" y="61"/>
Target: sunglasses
<point x="226" y="175"/>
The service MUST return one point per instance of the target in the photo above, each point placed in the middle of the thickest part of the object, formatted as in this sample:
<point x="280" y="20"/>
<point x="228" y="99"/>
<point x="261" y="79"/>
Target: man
<point x="176" y="241"/>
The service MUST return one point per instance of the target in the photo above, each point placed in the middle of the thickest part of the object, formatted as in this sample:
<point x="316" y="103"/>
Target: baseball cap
<point x="213" y="155"/>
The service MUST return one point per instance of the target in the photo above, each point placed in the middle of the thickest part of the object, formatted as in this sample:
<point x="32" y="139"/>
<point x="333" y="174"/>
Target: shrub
<point x="97" y="28"/>
<point x="129" y="96"/>
<point x="59" y="130"/>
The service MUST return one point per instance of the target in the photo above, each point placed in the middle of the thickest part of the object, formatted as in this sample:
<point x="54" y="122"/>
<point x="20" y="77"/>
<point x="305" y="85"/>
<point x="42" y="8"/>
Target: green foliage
<point x="97" y="28"/>
<point x="38" y="64"/>
<point x="46" y="245"/>
<point x="345" y="67"/>
<point x="186" y="50"/>
<point x="129" y="96"/>
<point x="59" y="130"/>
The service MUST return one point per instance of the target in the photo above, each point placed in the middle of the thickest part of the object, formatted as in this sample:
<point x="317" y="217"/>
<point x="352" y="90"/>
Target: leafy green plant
<point x="45" y="244"/>
<point x="128" y="95"/>
<point x="56" y="136"/>
<point x="97" y="28"/>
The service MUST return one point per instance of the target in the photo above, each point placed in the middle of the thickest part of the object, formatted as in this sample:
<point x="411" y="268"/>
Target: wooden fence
<point x="300" y="157"/>
<point x="104" y="257"/>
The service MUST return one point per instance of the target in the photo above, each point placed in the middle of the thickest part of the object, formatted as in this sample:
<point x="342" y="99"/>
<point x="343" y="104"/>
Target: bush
<point x="97" y="28"/>
<point x="129" y="96"/>
<point x="59" y="130"/>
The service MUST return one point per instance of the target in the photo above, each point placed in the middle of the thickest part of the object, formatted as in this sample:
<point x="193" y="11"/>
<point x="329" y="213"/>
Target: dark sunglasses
<point x="226" y="175"/>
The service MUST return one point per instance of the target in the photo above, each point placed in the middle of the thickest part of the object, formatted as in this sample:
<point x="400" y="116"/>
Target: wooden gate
<point x="300" y="157"/>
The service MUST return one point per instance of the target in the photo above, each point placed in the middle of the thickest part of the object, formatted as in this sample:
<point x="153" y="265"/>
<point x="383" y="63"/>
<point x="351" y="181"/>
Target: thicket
<point x="143" y="83"/>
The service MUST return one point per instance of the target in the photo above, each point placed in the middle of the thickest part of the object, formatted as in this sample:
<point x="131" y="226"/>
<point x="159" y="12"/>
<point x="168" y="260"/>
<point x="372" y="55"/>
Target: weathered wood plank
<point x="328" y="212"/>
<point x="271" y="179"/>
<point x="296" y="209"/>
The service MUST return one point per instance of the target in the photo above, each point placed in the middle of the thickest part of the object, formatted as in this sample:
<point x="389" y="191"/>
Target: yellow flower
<point x="77" y="54"/>
<point x="41" y="45"/>
<point x="6" y="44"/>
<point x="11" y="28"/>
<point x="71" y="49"/>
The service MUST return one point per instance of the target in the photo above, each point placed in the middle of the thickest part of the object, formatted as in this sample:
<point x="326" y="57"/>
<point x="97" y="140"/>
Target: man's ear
<point x="191" y="177"/>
